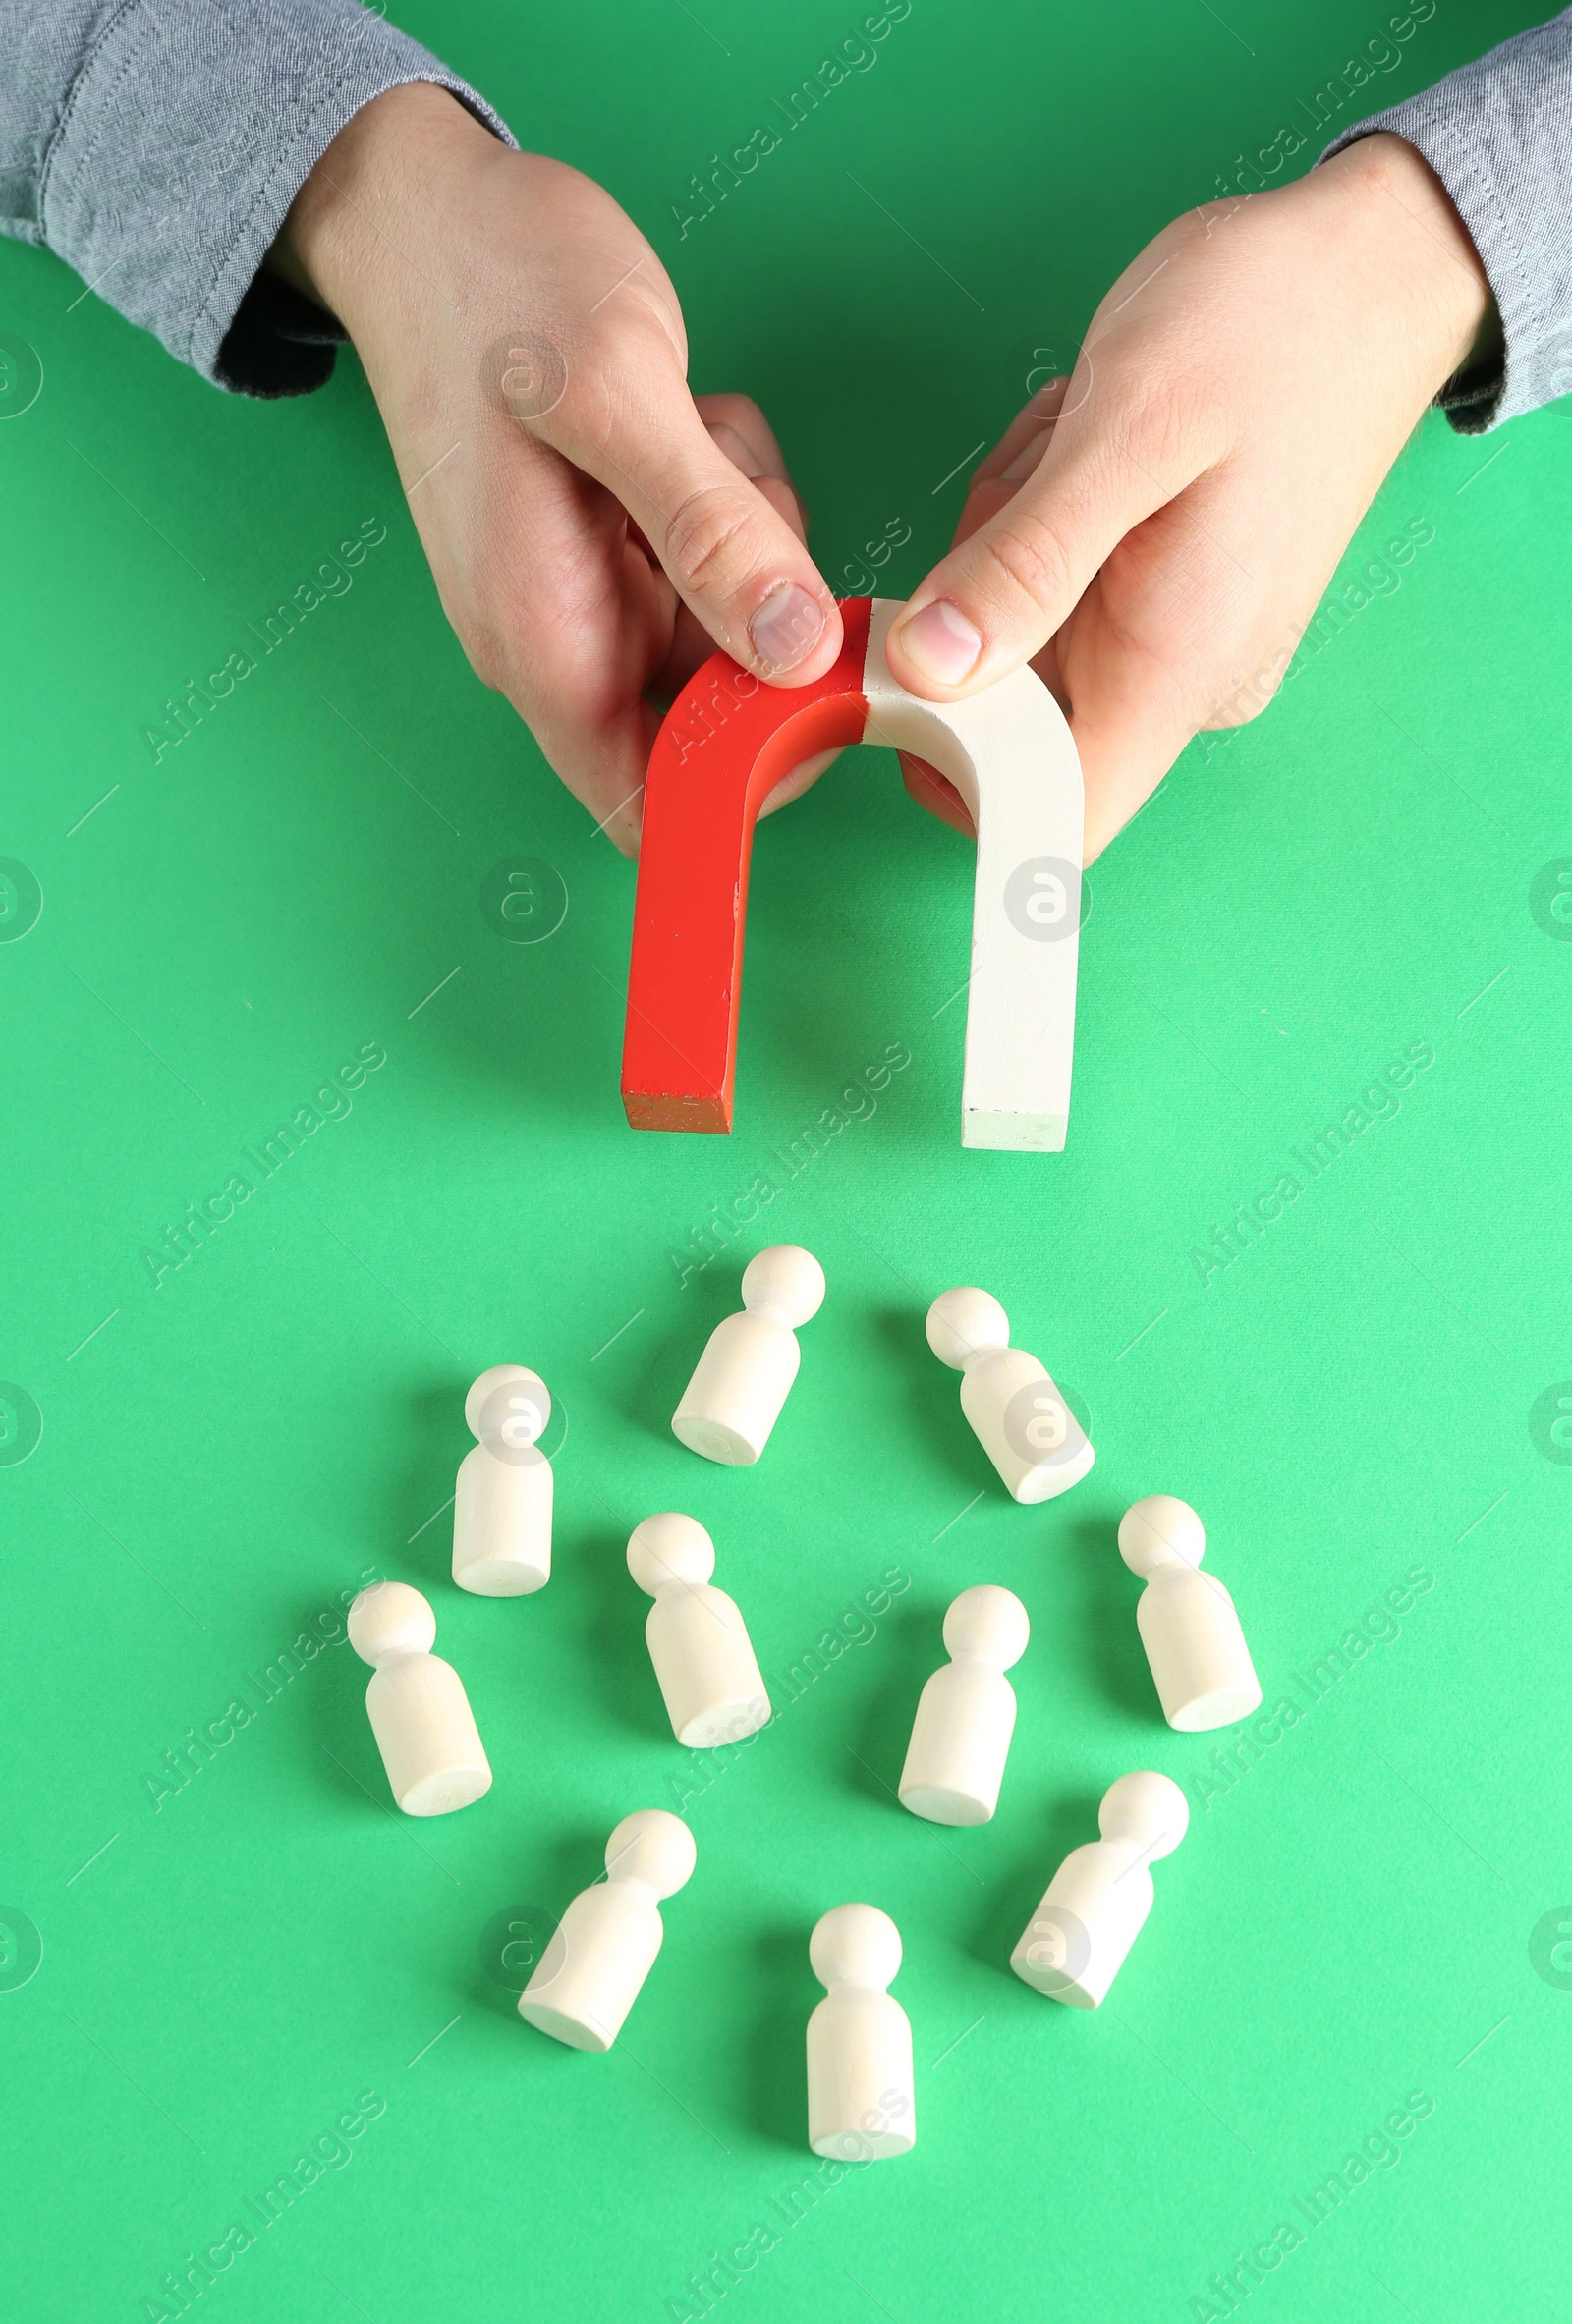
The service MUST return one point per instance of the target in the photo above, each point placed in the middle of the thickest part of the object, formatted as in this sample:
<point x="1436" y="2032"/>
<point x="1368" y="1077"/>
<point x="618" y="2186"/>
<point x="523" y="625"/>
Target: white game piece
<point x="966" y="1714"/>
<point x="741" y="1381"/>
<point x="1188" y="1622"/>
<point x="862" y="2101"/>
<point x="418" y="1711"/>
<point x="1020" y="1421"/>
<point x="1096" y="1901"/>
<point x="698" y="1640"/>
<point x="502" y="1503"/>
<point x="589" y="1974"/>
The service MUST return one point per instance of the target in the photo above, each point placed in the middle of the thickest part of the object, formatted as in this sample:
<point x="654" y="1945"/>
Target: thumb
<point x="730" y="554"/>
<point x="1002" y="592"/>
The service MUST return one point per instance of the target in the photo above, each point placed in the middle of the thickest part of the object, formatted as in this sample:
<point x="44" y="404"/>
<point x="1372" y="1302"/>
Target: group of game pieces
<point x="861" y="2096"/>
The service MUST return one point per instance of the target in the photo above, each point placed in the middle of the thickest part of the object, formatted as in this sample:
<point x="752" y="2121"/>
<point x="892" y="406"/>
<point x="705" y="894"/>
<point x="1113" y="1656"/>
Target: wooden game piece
<point x="711" y="1679"/>
<point x="1020" y="1418"/>
<point x="1098" y="1898"/>
<point x="966" y="1715"/>
<point x="741" y="1381"/>
<point x="502" y="1502"/>
<point x="1188" y="1622"/>
<point x="862" y="2103"/>
<point x="418" y="1711"/>
<point x="725" y="743"/>
<point x="590" y="1973"/>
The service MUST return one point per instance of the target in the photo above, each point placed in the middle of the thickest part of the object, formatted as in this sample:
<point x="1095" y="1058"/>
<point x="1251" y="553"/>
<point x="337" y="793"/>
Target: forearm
<point x="1498" y="136"/>
<point x="157" y="148"/>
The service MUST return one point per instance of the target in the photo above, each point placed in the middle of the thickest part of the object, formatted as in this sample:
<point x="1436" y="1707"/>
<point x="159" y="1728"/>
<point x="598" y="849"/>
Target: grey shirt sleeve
<point x="1498" y="135"/>
<point x="157" y="145"/>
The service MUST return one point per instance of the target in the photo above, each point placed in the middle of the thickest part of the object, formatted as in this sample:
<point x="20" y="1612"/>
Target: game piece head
<point x="786" y="1278"/>
<point x="989" y="1621"/>
<point x="669" y="1548"/>
<point x="964" y="1323"/>
<point x="855" y="1944"/>
<point x="654" y="1846"/>
<point x="1156" y="1531"/>
<point x="507" y="1409"/>
<point x="391" y="1618"/>
<point x="1149" y="1808"/>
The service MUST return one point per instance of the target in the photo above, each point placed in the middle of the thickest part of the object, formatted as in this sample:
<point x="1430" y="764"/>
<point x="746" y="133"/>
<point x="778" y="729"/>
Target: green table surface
<point x="1341" y="919"/>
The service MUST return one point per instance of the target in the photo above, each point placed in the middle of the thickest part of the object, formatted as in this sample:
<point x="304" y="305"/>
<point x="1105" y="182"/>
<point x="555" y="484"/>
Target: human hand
<point x="592" y="529"/>
<point x="1153" y="533"/>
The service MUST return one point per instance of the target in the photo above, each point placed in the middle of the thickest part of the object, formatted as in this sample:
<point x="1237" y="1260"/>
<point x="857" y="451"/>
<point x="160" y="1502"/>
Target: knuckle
<point x="506" y="639"/>
<point x="1027" y="555"/>
<point x="487" y="658"/>
<point x="484" y="631"/>
<point x="498" y="658"/>
<point x="1189" y="234"/>
<point x="1157" y="426"/>
<point x="582" y="413"/>
<point x="1170" y="415"/>
<point x="706" y="537"/>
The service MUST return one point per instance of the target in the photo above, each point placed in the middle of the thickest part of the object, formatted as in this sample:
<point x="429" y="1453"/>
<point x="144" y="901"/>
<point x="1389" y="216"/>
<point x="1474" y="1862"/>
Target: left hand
<point x="594" y="529"/>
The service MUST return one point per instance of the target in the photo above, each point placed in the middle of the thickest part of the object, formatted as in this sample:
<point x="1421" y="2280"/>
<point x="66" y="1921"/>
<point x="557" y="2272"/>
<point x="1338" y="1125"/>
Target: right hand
<point x="1152" y="534"/>
<point x="594" y="529"/>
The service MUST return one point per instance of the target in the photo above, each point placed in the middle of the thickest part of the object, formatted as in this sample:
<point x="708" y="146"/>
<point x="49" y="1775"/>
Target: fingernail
<point x="941" y="641"/>
<point x="786" y="627"/>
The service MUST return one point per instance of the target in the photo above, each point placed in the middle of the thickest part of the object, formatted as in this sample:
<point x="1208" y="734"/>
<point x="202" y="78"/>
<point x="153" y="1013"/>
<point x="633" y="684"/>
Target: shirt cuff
<point x="186" y="137"/>
<point x="1498" y="135"/>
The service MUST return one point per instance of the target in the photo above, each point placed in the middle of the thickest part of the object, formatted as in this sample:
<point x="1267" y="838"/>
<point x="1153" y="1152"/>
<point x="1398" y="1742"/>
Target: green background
<point x="1349" y="1923"/>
